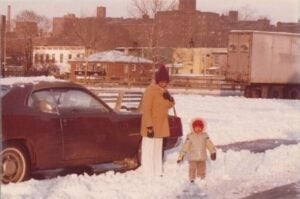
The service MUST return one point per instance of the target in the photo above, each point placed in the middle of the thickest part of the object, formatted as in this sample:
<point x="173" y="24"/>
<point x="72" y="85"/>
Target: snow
<point x="235" y="174"/>
<point x="115" y="56"/>
<point x="24" y="80"/>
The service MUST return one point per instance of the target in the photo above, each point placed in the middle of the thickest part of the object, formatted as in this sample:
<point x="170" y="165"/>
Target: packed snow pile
<point x="116" y="56"/>
<point x="235" y="174"/>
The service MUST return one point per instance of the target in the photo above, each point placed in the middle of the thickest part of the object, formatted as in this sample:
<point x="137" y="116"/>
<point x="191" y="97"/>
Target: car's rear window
<point x="4" y="90"/>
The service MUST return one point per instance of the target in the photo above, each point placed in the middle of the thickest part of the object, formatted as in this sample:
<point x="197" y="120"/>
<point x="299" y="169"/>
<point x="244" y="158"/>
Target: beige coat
<point x="196" y="145"/>
<point x="155" y="112"/>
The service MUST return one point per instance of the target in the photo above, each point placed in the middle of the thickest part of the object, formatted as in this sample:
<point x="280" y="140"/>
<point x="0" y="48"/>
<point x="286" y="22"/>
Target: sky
<point x="235" y="174"/>
<point x="276" y="10"/>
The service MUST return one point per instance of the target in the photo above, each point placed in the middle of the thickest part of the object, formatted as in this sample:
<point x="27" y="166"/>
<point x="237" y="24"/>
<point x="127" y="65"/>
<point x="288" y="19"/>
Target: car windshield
<point x="47" y="100"/>
<point x="42" y="100"/>
<point x="77" y="99"/>
<point x="4" y="90"/>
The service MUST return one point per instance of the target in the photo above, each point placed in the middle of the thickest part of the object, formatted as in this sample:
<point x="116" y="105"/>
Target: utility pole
<point x="2" y="45"/>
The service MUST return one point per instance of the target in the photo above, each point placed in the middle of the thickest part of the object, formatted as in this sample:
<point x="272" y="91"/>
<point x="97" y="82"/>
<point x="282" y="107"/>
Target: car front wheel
<point x="15" y="166"/>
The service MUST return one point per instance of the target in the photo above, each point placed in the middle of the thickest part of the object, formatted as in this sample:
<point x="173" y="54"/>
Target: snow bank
<point x="233" y="175"/>
<point x="13" y="80"/>
<point x="116" y="56"/>
<point x="234" y="119"/>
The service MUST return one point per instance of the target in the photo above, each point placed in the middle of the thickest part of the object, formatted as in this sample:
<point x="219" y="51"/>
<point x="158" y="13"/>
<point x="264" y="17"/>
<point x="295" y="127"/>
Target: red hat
<point x="162" y="74"/>
<point x="198" y="123"/>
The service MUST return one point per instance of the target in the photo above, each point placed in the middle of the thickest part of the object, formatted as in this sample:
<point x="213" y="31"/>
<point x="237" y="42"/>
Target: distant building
<point x="185" y="27"/>
<point x="101" y="12"/>
<point x="111" y="65"/>
<point x="63" y="24"/>
<point x="288" y="27"/>
<point x="200" y="60"/>
<point x="26" y="28"/>
<point x="57" y="55"/>
<point x="187" y="5"/>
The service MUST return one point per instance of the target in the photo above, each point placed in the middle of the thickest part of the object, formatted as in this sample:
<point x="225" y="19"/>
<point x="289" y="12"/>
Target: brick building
<point x="111" y="65"/>
<point x="288" y="27"/>
<point x="184" y="27"/>
<point x="28" y="28"/>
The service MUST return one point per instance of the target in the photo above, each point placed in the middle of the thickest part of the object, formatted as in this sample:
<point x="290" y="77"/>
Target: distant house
<point x="111" y="65"/>
<point x="59" y="56"/>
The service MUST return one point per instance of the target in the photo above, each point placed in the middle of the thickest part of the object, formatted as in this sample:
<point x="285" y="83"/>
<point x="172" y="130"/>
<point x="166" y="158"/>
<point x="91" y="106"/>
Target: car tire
<point x="139" y="155"/>
<point x="15" y="164"/>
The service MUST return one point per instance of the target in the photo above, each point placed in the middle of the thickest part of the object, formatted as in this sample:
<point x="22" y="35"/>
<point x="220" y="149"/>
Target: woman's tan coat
<point x="155" y="111"/>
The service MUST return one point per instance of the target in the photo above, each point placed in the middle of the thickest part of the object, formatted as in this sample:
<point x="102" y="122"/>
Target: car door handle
<point x="65" y="122"/>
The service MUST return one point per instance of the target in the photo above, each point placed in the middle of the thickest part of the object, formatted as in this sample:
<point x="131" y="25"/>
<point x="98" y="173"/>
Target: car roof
<point x="55" y="84"/>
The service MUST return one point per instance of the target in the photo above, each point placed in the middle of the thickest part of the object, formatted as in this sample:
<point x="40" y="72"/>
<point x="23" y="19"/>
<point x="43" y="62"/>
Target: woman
<point x="155" y="126"/>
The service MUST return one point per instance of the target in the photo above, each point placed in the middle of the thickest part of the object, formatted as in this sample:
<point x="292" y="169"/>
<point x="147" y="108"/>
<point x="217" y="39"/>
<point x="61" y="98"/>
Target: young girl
<point x="196" y="144"/>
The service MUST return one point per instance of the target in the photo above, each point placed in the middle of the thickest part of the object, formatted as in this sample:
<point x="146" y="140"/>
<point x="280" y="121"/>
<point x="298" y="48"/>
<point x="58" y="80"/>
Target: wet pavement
<point x="290" y="191"/>
<point x="257" y="146"/>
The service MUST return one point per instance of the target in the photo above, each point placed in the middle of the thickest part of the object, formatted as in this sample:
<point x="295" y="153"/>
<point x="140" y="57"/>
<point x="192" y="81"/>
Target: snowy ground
<point x="235" y="174"/>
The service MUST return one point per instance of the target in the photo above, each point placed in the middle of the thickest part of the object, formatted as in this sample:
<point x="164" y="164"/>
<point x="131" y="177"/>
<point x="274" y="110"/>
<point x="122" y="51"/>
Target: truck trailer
<point x="266" y="64"/>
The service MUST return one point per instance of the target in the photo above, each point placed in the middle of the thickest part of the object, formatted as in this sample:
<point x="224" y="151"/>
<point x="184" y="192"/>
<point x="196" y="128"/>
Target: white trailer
<point x="266" y="63"/>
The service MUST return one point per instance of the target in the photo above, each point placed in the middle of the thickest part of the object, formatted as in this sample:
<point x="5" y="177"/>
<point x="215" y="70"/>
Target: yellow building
<point x="200" y="60"/>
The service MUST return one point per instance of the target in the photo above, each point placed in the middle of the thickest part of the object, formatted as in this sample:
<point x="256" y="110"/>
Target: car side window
<point x="42" y="101"/>
<point x="77" y="99"/>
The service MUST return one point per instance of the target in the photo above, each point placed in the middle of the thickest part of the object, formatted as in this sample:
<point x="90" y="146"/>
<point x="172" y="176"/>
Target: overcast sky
<point x="276" y="10"/>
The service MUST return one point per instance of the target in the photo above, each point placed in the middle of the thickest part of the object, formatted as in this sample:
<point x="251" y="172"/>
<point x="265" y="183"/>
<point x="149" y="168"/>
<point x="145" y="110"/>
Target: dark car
<point x="49" y="125"/>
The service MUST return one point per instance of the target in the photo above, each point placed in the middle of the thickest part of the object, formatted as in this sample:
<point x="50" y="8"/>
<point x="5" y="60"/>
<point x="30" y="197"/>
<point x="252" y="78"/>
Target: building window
<point x="232" y="48"/>
<point x="90" y="67"/>
<point x="61" y="58"/>
<point x="47" y="58"/>
<point x="36" y="58"/>
<point x="217" y="59"/>
<point x="70" y="56"/>
<point x="41" y="58"/>
<point x="126" y="69"/>
<point x="53" y="57"/>
<point x="244" y="48"/>
<point x="134" y="67"/>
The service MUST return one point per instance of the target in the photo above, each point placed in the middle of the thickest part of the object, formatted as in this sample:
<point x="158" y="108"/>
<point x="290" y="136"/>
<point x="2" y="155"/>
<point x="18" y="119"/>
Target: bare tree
<point x="24" y="46"/>
<point x="96" y="34"/>
<point x="44" y="24"/>
<point x="147" y="9"/>
<point x="247" y="13"/>
<point x="140" y="8"/>
<point x="86" y="31"/>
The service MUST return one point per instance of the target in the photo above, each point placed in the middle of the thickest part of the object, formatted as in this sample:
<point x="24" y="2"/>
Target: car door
<point x="43" y="123"/>
<point x="86" y="126"/>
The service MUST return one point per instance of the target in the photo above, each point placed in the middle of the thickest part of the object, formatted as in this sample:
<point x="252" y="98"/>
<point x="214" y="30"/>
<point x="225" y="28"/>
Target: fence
<point x="186" y="82"/>
<point x="120" y="100"/>
<point x="19" y="71"/>
<point x="205" y="82"/>
<point x="209" y="82"/>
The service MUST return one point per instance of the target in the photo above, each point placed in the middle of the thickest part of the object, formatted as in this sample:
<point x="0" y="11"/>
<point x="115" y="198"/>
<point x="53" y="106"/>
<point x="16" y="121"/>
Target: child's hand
<point x="213" y="156"/>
